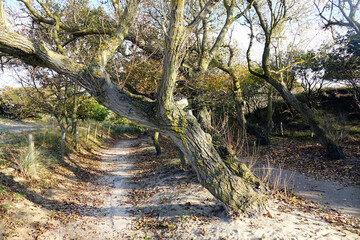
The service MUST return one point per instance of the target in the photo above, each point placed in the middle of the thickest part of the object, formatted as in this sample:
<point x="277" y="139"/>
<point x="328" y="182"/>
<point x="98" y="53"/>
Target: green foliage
<point x="122" y="130"/>
<point x="91" y="109"/>
<point x="16" y="103"/>
<point x="118" y="120"/>
<point x="343" y="62"/>
<point x="3" y="191"/>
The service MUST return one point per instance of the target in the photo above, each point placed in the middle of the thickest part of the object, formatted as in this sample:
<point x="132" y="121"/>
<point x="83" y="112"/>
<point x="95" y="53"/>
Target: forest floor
<point x="308" y="172"/>
<point x="126" y="192"/>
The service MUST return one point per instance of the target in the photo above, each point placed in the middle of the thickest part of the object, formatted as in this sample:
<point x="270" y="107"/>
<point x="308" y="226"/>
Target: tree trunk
<point x="62" y="147"/>
<point x="225" y="177"/>
<point x="332" y="150"/>
<point x="156" y="143"/>
<point x="88" y="131"/>
<point x="182" y="159"/>
<point x="270" y="111"/>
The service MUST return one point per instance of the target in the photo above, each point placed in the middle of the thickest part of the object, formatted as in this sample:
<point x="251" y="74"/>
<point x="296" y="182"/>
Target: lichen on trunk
<point x="221" y="173"/>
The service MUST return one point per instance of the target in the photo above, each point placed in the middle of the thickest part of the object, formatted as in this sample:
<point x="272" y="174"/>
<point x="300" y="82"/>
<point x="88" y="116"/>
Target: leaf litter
<point x="156" y="199"/>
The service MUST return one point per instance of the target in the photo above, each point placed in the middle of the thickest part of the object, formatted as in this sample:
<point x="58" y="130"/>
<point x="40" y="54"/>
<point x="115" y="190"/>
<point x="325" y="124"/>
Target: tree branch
<point x="108" y="48"/>
<point x="248" y="52"/>
<point x="201" y="15"/>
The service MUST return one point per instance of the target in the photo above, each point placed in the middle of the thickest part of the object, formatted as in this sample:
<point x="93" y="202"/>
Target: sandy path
<point x="117" y="161"/>
<point x="345" y="199"/>
<point x="111" y="219"/>
<point x="175" y="206"/>
<point x="7" y="125"/>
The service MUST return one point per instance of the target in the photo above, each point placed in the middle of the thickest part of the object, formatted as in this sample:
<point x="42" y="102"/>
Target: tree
<point x="16" y="103"/>
<point x="341" y="13"/>
<point x="89" y="108"/>
<point x="270" y="15"/>
<point x="53" y="94"/>
<point x="342" y="64"/>
<point x="261" y="134"/>
<point x="227" y="179"/>
<point x="311" y="74"/>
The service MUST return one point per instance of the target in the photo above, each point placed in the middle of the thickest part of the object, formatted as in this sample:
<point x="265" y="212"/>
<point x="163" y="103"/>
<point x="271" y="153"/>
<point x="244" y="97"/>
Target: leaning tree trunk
<point x="221" y="173"/>
<point x="231" y="183"/>
<point x="332" y="150"/>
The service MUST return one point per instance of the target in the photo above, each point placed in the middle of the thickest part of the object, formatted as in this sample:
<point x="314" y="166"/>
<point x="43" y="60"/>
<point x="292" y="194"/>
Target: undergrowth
<point x="16" y="159"/>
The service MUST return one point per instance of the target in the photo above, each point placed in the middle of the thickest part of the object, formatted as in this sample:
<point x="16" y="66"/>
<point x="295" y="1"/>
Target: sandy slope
<point x="333" y="195"/>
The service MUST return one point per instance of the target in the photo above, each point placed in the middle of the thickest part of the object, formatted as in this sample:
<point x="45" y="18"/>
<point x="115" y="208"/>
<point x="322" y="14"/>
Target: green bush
<point x="121" y="130"/>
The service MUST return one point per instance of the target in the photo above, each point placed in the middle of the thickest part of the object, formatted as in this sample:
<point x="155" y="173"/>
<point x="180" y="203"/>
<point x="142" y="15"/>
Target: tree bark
<point x="220" y="172"/>
<point x="182" y="159"/>
<point x="270" y="111"/>
<point x="62" y="146"/>
<point x="156" y="143"/>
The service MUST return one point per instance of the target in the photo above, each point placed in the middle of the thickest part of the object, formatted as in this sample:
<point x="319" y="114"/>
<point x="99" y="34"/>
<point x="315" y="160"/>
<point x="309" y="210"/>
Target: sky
<point x="8" y="78"/>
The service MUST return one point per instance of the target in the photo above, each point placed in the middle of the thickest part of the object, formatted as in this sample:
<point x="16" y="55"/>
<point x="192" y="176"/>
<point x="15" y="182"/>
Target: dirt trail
<point x="118" y="161"/>
<point x="16" y="127"/>
<point x="7" y="125"/>
<point x="329" y="194"/>
<point x="111" y="220"/>
<point x="141" y="196"/>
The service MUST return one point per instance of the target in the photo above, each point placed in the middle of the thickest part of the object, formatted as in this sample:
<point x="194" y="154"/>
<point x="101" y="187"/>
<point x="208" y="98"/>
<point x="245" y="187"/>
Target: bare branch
<point x="201" y="15"/>
<point x="108" y="48"/>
